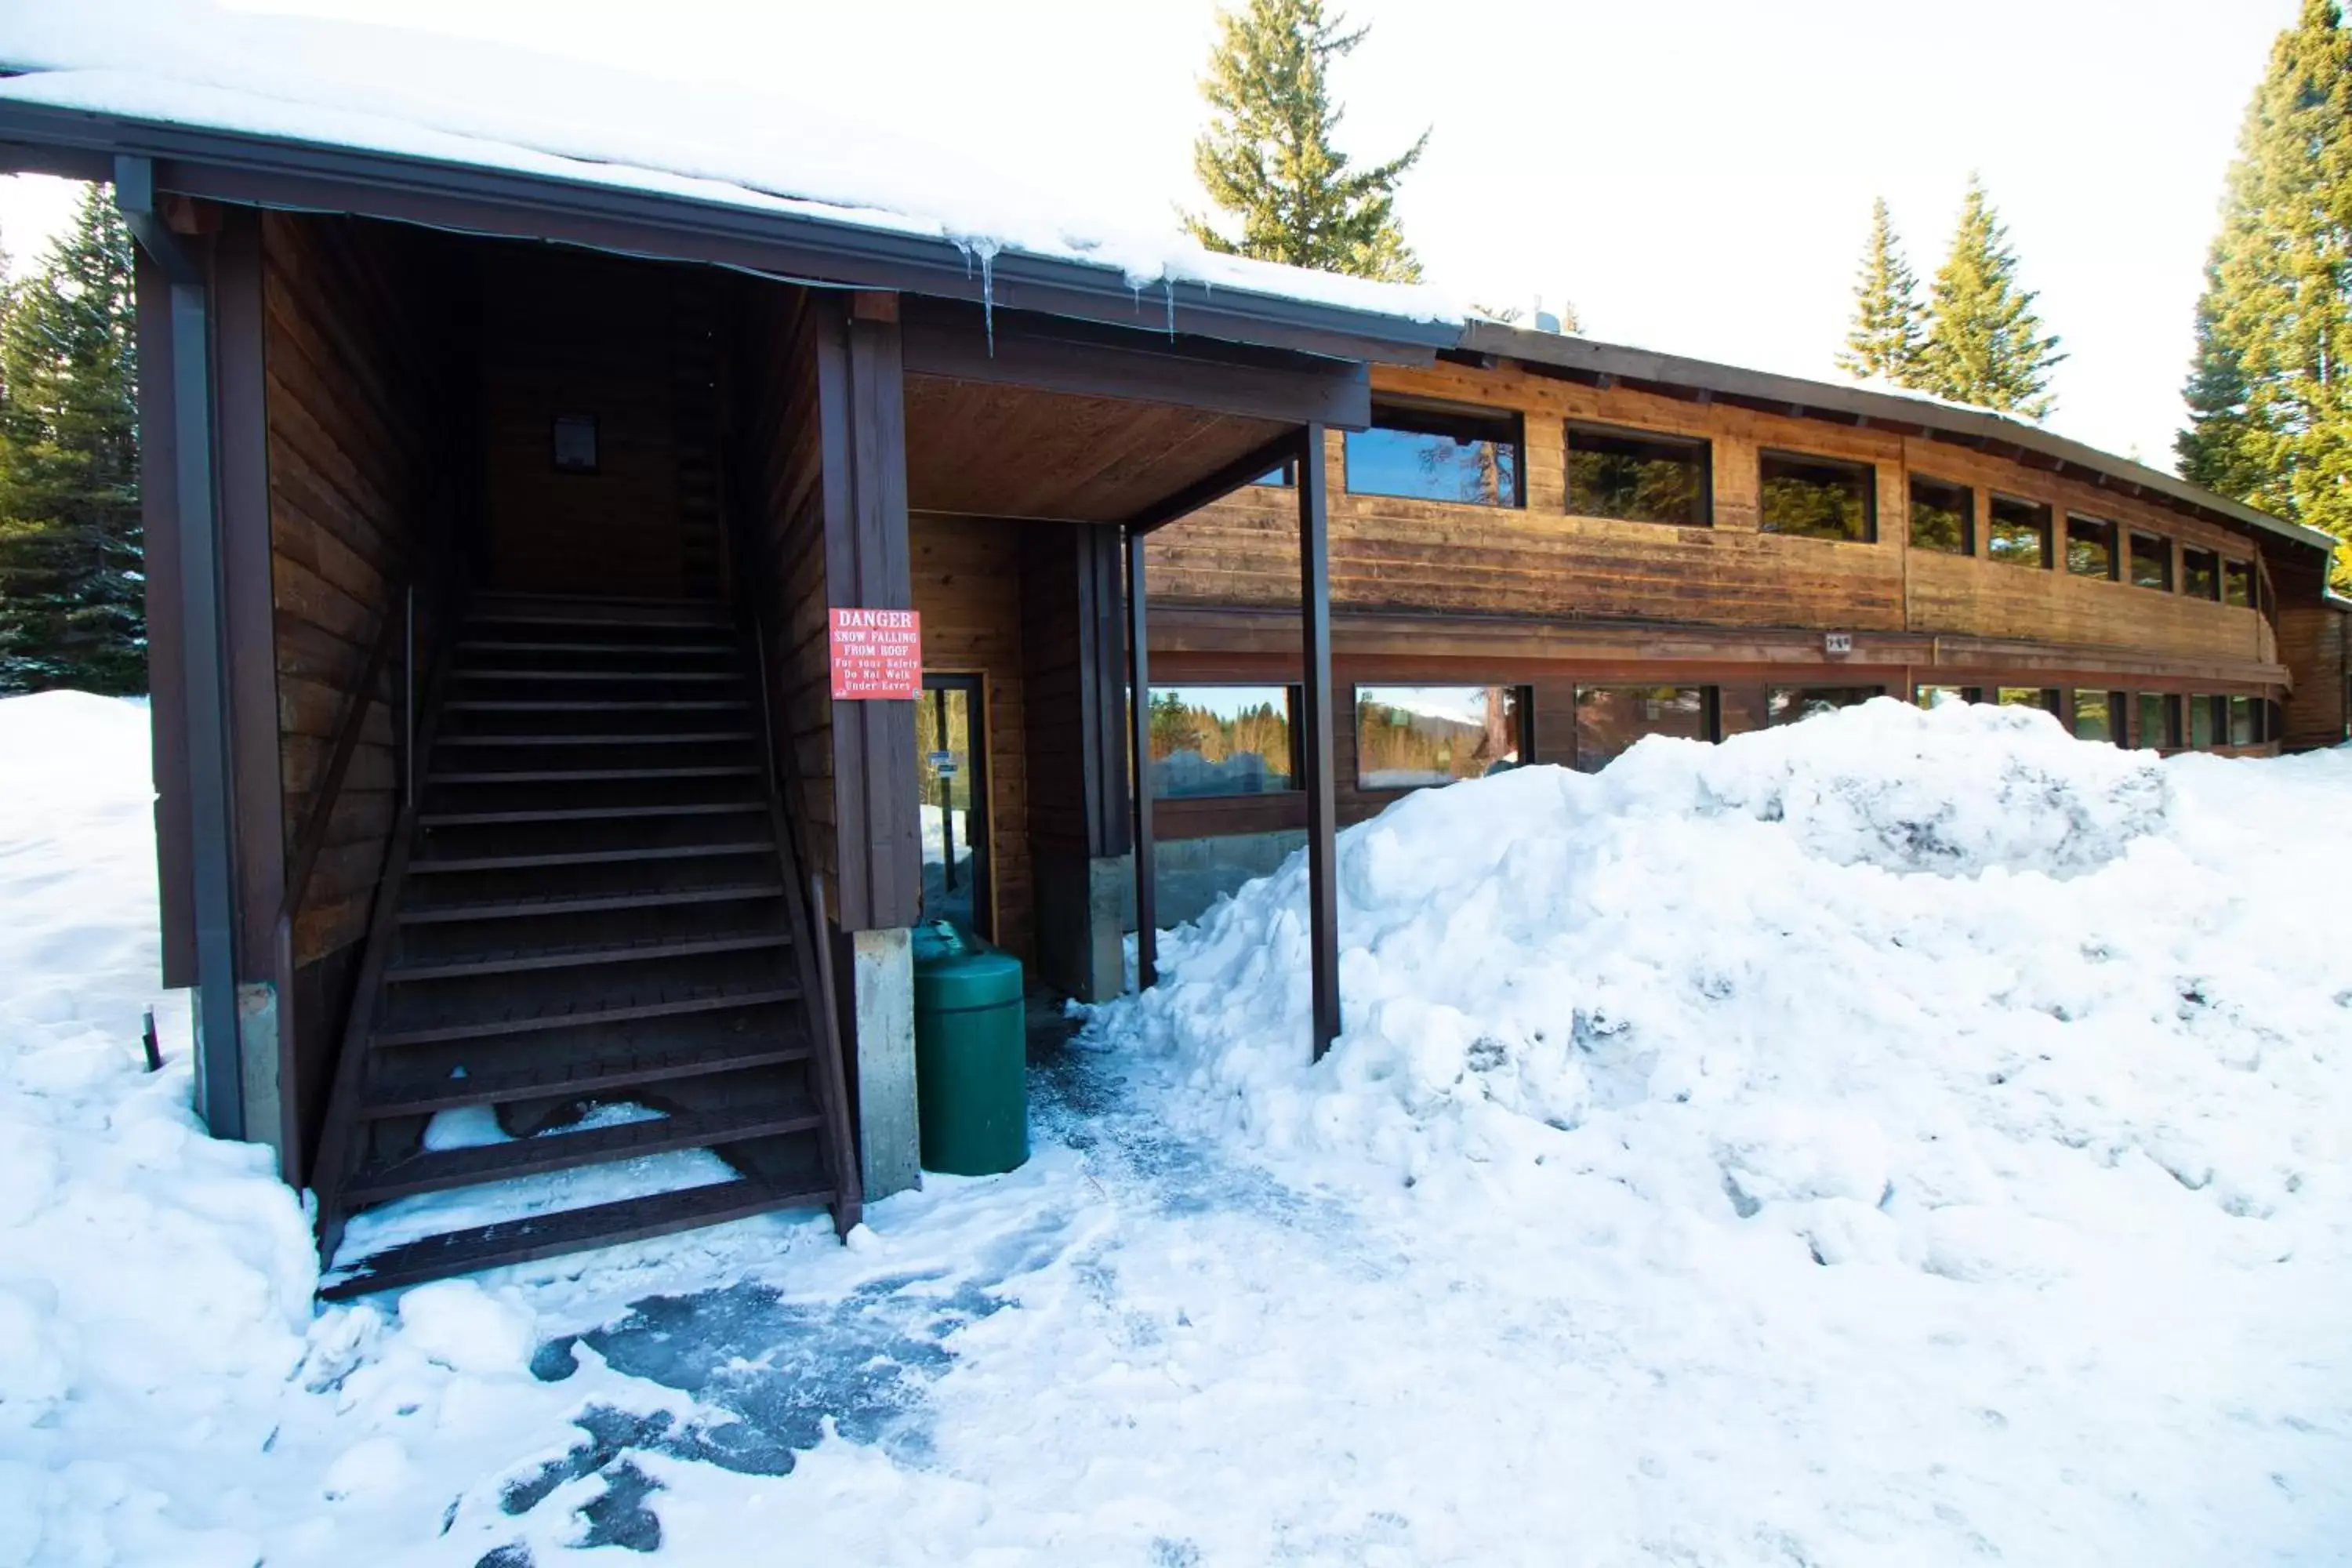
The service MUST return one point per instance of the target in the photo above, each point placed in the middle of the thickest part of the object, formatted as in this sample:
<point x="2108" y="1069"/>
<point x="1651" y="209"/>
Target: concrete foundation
<point x="1194" y="873"/>
<point x="1084" y="907"/>
<point x="882" y="988"/>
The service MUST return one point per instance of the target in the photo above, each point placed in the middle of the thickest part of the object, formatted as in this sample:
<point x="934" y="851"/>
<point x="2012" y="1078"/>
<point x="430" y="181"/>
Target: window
<point x="2090" y="548"/>
<point x="2020" y="533"/>
<point x="2238" y="583"/>
<point x="1610" y="719"/>
<point x="1787" y="704"/>
<point x="2200" y="573"/>
<point x="2151" y="561"/>
<point x="1819" y="498"/>
<point x="1943" y="516"/>
<point x="2159" y="721"/>
<point x="2042" y="697"/>
<point x="1409" y="736"/>
<point x="2099" y="716"/>
<point x="2201" y="728"/>
<point x="2243" y="724"/>
<point x="1286" y="475"/>
<point x="1937" y="695"/>
<point x="1222" y="739"/>
<point x="1638" y="478"/>
<point x="1436" y="454"/>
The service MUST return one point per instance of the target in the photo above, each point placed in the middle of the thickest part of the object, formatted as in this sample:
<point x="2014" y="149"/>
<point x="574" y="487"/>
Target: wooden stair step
<point x="593" y="1075"/>
<point x="569" y="1230"/>
<point x="591" y="705"/>
<point x="655" y="621"/>
<point x="509" y="645"/>
<point x="438" y="1170"/>
<point x="421" y="865"/>
<point x="590" y="903"/>
<point x="532" y="1023"/>
<point x="591" y="812"/>
<point x="703" y="675"/>
<point x="582" y="775"/>
<point x="582" y="956"/>
<point x="607" y="738"/>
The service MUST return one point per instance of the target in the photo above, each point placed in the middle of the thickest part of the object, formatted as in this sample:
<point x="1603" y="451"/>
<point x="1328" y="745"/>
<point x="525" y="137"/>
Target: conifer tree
<point x="1889" y="325"/>
<point x="1985" y="344"/>
<point x="1268" y="159"/>
<point x="71" y="587"/>
<point x="2270" y="406"/>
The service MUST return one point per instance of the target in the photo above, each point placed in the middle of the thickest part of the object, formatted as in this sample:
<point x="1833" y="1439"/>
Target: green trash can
<point x="971" y="1056"/>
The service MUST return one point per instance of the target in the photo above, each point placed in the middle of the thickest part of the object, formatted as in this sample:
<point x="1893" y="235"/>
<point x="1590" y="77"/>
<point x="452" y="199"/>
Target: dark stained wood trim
<point x="1242" y="470"/>
<point x="1139" y="664"/>
<point x="861" y="398"/>
<point x="166" y="676"/>
<point x="1102" y="690"/>
<point x="1317" y="759"/>
<point x="1054" y="355"/>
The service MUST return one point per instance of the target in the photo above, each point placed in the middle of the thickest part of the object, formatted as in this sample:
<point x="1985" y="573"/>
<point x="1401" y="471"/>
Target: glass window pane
<point x="2019" y="532"/>
<point x="1937" y="695"/>
<point x="1635" y="478"/>
<point x="1816" y="498"/>
<point x="2200" y="573"/>
<point x="2238" y="583"/>
<point x="1423" y="455"/>
<point x="2201" y="721"/>
<point x="954" y="798"/>
<point x="1609" y="719"/>
<point x="1220" y="740"/>
<point x="2159" y="721"/>
<point x="2096" y="714"/>
<point x="2242" y="722"/>
<point x="2044" y="697"/>
<point x="1942" y="517"/>
<point x="2151" y="561"/>
<point x="1409" y="736"/>
<point x="1787" y="704"/>
<point x="1287" y="475"/>
<point x="2090" y="547"/>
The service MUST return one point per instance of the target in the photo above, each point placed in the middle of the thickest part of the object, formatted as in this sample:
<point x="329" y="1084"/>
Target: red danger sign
<point x="877" y="654"/>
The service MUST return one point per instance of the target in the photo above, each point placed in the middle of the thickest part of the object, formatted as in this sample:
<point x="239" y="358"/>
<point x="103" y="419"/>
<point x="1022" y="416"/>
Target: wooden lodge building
<point x="502" y="514"/>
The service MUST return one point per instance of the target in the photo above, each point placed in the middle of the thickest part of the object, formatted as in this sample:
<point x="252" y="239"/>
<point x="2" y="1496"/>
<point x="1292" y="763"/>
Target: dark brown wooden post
<point x="1139" y="673"/>
<point x="1315" y="617"/>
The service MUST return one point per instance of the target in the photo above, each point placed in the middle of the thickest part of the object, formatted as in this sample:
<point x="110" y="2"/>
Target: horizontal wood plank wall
<point x="573" y="332"/>
<point x="361" y="399"/>
<point x="967" y="581"/>
<point x="781" y="458"/>
<point x="1540" y="564"/>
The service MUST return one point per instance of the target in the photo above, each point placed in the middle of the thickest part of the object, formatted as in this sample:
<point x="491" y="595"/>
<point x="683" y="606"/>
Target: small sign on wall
<point x="1837" y="642"/>
<point x="877" y="654"/>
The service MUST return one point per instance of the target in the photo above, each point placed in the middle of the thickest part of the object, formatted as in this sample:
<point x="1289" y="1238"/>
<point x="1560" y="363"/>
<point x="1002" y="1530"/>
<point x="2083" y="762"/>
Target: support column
<point x="1139" y="667"/>
<point x="1316" y="749"/>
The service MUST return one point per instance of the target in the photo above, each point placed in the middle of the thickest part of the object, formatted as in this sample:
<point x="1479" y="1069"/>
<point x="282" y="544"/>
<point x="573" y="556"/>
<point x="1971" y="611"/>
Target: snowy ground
<point x="1895" y="1139"/>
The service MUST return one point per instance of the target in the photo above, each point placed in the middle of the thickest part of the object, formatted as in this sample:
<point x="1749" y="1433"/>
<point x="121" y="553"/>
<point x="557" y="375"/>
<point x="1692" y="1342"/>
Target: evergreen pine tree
<point x="2270" y="406"/>
<point x="1267" y="156"/>
<point x="1984" y="342"/>
<point x="71" y="589"/>
<point x="1888" y="323"/>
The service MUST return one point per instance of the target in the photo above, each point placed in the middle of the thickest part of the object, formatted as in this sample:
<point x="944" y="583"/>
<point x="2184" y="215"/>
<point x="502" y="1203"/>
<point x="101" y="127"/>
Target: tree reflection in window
<point x="1610" y="719"/>
<point x="1222" y="741"/>
<point x="1817" y="498"/>
<point x="1637" y="477"/>
<point x="1469" y="456"/>
<point x="1408" y="737"/>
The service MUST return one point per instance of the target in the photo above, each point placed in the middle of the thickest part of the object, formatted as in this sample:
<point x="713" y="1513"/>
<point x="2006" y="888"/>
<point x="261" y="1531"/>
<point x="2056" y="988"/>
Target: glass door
<point x="951" y="768"/>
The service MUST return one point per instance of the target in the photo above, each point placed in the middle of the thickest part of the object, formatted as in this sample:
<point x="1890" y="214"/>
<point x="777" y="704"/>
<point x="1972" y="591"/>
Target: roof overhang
<point x="1675" y="376"/>
<point x="806" y="247"/>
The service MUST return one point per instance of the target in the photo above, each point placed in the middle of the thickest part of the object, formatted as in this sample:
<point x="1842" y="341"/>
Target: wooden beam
<point x="1242" y="470"/>
<point x="1007" y="348"/>
<point x="1139" y="664"/>
<point x="1316" y="715"/>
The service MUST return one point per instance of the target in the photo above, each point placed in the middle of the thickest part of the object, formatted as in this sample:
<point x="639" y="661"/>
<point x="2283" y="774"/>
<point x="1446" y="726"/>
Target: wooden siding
<point x="569" y="333"/>
<point x="967" y="588"/>
<point x="1539" y="564"/>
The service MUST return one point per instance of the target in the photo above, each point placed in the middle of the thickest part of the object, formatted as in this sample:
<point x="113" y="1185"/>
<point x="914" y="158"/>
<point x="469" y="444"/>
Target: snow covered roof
<point x="434" y="103"/>
<point x="1869" y="403"/>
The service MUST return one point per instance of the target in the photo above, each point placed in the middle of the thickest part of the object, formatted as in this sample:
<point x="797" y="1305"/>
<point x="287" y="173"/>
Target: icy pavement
<point x="1703" y="1182"/>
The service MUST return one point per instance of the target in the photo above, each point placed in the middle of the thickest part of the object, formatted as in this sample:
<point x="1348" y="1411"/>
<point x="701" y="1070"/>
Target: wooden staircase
<point x="591" y="898"/>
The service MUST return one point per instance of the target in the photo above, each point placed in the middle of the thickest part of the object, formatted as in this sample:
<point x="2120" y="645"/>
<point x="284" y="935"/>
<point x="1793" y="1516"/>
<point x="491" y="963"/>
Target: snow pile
<point x="465" y="100"/>
<point x="1948" y="990"/>
<point x="153" y="1284"/>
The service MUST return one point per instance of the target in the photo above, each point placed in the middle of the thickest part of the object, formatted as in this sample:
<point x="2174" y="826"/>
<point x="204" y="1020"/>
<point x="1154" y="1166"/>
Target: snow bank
<point x="154" y="1285"/>
<point x="1948" y="991"/>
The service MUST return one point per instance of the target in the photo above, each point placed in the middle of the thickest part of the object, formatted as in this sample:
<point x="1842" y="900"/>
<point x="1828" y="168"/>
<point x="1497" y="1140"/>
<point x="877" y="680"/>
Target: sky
<point x="1694" y="177"/>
